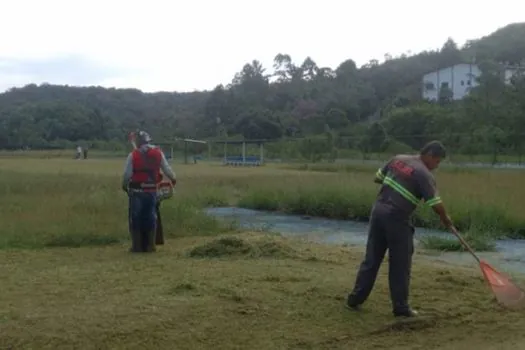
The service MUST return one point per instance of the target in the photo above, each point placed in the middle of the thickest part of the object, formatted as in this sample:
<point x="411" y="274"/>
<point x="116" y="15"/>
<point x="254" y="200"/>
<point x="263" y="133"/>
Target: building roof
<point x="504" y="66"/>
<point x="179" y="139"/>
<point x="240" y="142"/>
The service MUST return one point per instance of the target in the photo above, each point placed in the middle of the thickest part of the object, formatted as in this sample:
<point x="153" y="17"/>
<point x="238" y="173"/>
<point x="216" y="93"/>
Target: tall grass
<point x="487" y="201"/>
<point x="64" y="202"/>
<point x="478" y="241"/>
<point x="40" y="209"/>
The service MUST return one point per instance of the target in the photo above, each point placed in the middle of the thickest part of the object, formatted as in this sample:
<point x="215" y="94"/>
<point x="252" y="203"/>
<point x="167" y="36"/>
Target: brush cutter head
<point x="165" y="190"/>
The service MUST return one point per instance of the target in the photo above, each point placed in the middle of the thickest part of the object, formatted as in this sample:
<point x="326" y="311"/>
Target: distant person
<point x="85" y="150"/>
<point x="141" y="175"/>
<point x="79" y="152"/>
<point x="405" y="180"/>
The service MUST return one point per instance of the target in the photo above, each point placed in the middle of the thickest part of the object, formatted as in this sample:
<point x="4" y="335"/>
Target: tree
<point x="342" y="107"/>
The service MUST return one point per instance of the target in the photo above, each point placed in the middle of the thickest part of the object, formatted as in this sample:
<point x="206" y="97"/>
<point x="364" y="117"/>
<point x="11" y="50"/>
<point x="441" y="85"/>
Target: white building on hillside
<point x="459" y="79"/>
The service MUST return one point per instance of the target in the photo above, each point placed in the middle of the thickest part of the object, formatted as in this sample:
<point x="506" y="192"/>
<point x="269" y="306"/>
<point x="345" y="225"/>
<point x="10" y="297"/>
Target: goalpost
<point x="169" y="148"/>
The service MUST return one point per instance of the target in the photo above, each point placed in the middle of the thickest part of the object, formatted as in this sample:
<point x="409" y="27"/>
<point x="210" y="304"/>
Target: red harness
<point x="146" y="169"/>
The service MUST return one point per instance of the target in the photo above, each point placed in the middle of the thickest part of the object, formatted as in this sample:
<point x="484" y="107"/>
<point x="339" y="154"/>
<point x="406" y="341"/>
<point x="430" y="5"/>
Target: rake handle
<point x="464" y="243"/>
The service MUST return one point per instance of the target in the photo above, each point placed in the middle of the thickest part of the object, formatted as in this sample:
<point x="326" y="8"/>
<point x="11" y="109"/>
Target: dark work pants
<point x="142" y="217"/>
<point x="393" y="232"/>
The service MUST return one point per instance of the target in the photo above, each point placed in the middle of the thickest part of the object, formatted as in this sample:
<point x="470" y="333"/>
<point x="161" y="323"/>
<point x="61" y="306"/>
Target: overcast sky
<point x="191" y="45"/>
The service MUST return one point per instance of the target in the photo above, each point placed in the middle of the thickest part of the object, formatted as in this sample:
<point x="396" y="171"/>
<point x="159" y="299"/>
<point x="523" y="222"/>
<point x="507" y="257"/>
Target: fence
<point x="462" y="149"/>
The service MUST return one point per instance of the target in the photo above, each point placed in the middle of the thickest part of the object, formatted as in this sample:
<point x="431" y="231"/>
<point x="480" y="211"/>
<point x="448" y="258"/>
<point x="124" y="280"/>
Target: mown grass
<point x="68" y="281"/>
<point x="290" y="296"/>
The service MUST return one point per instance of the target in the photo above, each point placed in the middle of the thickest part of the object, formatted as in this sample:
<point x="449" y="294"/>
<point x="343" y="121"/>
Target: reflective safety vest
<point x="146" y="169"/>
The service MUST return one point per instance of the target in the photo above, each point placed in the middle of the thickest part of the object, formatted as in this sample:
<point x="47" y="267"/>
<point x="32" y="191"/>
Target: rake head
<point x="507" y="293"/>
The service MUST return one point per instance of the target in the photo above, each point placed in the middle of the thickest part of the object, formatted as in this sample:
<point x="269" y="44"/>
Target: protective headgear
<point x="143" y="137"/>
<point x="138" y="138"/>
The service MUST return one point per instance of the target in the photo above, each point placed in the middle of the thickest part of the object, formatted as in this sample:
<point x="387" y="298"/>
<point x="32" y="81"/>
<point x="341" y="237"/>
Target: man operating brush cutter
<point x="405" y="180"/>
<point x="141" y="180"/>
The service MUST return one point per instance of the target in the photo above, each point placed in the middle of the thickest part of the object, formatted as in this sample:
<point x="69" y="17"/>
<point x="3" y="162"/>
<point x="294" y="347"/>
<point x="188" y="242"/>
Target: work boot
<point x="351" y="304"/>
<point x="406" y="313"/>
<point x="136" y="242"/>
<point x="150" y="241"/>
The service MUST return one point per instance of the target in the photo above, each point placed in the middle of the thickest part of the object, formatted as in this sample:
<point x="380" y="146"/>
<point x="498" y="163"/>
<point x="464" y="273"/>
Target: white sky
<point x="186" y="45"/>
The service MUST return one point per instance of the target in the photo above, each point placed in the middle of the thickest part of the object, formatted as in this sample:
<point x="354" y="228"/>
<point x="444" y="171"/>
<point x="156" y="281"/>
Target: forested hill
<point x="294" y="99"/>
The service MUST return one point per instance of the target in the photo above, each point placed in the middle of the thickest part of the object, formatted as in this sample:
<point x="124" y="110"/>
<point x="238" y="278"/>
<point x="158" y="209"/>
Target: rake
<point x="507" y="293"/>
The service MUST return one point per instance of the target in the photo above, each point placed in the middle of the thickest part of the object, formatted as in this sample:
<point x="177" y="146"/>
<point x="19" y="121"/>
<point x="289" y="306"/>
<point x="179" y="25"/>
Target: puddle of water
<point x="510" y="254"/>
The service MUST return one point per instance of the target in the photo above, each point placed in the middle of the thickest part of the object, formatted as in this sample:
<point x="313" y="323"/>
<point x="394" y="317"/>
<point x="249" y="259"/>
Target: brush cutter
<point x="506" y="292"/>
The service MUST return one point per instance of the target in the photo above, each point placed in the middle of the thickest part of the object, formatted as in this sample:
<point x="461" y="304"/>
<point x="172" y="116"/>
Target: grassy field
<point x="453" y="157"/>
<point x="484" y="202"/>
<point x="68" y="282"/>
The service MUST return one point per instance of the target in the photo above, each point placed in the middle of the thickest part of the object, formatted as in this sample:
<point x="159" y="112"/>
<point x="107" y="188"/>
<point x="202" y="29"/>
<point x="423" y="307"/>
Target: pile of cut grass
<point x="236" y="246"/>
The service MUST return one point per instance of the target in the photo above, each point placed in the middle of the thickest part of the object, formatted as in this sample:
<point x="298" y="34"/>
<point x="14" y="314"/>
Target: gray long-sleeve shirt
<point x="406" y="181"/>
<point x="164" y="166"/>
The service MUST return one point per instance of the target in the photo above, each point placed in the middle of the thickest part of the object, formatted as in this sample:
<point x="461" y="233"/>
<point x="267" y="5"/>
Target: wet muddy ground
<point x="509" y="257"/>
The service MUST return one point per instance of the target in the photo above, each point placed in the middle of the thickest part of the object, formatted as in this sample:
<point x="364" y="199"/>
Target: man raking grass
<point x="405" y="180"/>
<point x="141" y="179"/>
